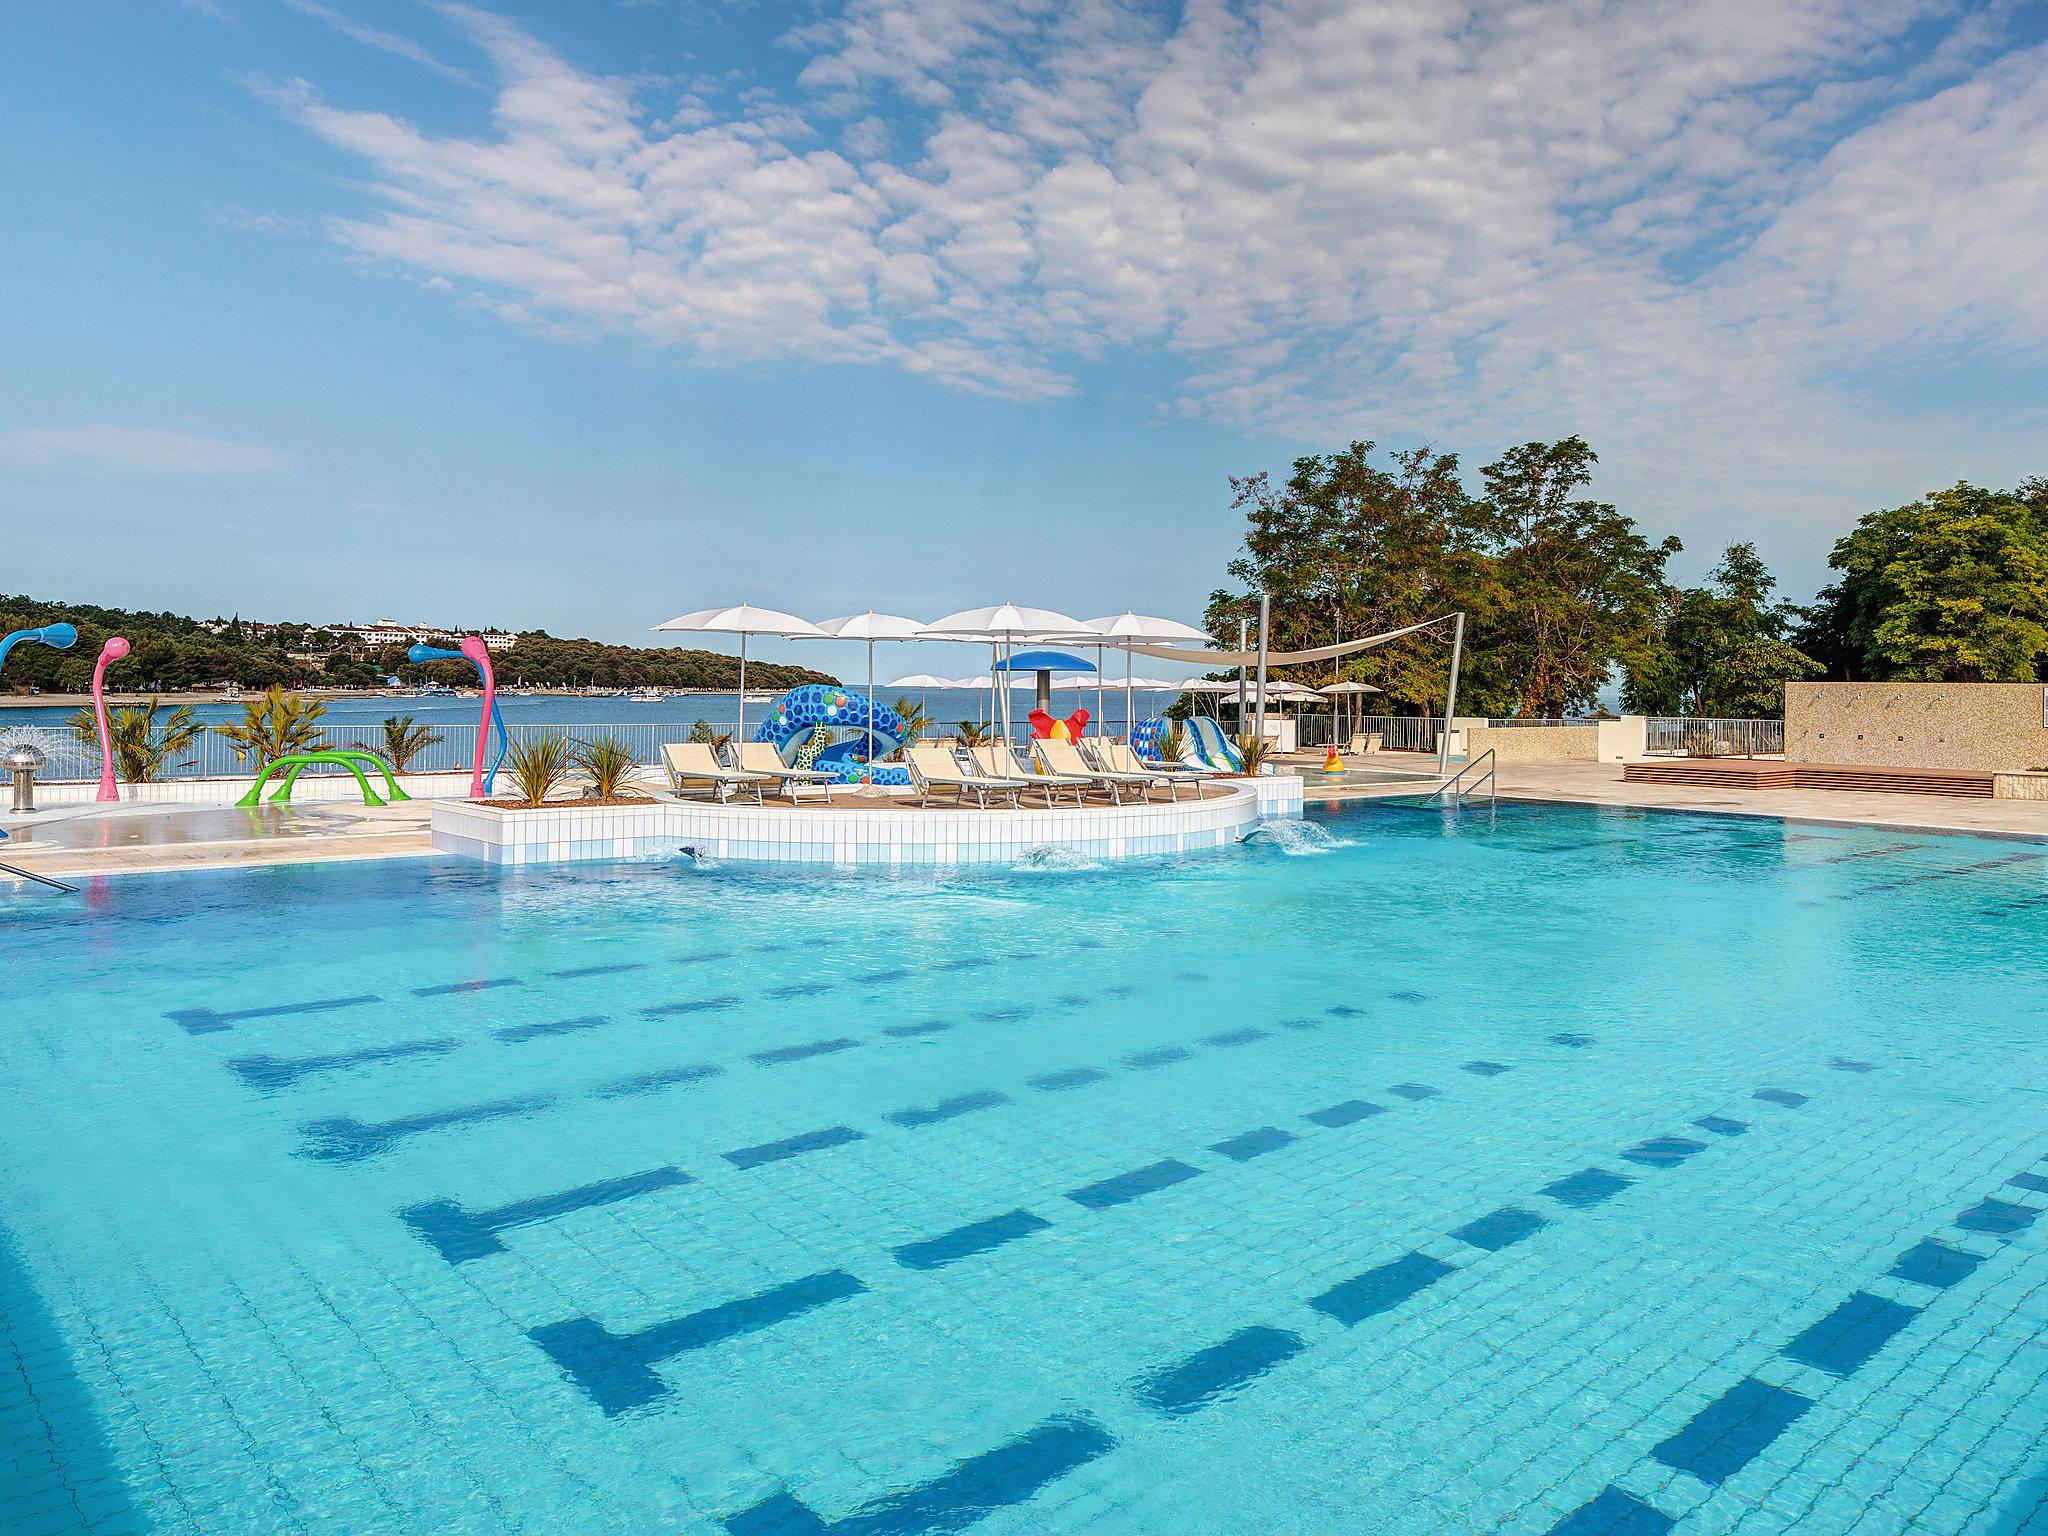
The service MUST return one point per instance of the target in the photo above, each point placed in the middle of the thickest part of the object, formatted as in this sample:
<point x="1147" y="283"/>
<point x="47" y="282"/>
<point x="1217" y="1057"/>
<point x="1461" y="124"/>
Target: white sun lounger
<point x="692" y="766"/>
<point x="761" y="757"/>
<point x="933" y="770"/>
<point x="1064" y="758"/>
<point x="991" y="757"/>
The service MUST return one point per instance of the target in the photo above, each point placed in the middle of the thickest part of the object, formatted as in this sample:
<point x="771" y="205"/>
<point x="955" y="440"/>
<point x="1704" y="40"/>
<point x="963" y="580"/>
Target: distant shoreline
<point x="218" y="696"/>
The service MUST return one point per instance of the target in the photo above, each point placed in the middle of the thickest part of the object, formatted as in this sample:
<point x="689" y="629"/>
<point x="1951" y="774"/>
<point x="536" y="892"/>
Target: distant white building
<point x="497" y="640"/>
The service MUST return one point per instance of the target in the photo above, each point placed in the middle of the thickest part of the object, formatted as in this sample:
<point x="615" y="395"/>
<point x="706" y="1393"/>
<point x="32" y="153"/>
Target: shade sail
<point x="1279" y="658"/>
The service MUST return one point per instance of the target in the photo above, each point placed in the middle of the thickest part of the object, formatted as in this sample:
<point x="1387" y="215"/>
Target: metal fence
<point x="1397" y="733"/>
<point x="1680" y="736"/>
<point x="1528" y="720"/>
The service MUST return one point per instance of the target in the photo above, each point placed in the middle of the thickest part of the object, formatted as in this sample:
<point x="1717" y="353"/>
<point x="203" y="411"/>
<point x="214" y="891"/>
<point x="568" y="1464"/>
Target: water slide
<point x="1203" y="743"/>
<point x="858" y="736"/>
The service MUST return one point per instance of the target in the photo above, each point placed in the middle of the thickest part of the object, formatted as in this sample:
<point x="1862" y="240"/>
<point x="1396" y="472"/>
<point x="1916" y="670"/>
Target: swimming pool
<point x="1555" y="1170"/>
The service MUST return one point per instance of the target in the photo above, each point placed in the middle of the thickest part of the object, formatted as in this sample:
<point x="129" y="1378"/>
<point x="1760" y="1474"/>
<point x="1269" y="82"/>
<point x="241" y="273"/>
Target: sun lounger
<point x="1118" y="758"/>
<point x="761" y="757"/>
<point x="1064" y="759"/>
<point x="693" y="766"/>
<point x="933" y="770"/>
<point x="1121" y="753"/>
<point x="992" y="757"/>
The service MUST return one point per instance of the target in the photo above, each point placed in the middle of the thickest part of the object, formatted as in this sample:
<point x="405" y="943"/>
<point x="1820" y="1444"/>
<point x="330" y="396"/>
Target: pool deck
<point x="81" y="841"/>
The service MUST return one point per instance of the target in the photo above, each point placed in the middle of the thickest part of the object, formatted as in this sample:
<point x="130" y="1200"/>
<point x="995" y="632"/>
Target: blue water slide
<point x="1204" y="744"/>
<point x="859" y="735"/>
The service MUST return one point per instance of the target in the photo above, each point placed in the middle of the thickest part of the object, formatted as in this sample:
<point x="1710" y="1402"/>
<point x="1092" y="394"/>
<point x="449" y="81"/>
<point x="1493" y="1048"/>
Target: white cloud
<point x="393" y="43"/>
<point x="146" y="450"/>
<point x="1675" y="228"/>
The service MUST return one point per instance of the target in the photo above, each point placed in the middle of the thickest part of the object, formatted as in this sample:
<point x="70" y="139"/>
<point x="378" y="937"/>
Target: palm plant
<point x="142" y="748"/>
<point x="274" y="726"/>
<point x="1254" y="750"/>
<point x="605" y="761"/>
<point x="1171" y="740"/>
<point x="971" y="735"/>
<point x="915" y="721"/>
<point x="716" y="740"/>
<point x="404" y="741"/>
<point x="539" y="764"/>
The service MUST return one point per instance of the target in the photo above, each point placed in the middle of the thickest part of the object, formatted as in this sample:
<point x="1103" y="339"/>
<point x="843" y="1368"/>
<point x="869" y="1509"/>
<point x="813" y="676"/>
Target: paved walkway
<point x="82" y="841"/>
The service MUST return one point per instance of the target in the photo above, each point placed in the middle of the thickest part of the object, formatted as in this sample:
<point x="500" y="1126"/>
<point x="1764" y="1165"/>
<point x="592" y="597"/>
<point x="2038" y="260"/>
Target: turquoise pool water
<point x="1559" y="1170"/>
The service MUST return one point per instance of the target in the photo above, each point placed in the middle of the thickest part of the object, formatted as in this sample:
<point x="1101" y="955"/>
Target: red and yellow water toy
<point x="1333" y="765"/>
<point x="1046" y="728"/>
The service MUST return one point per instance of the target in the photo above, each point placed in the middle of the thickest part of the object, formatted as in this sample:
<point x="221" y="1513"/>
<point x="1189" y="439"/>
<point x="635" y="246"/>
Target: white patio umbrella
<point x="744" y="619"/>
<point x="1002" y="626"/>
<point x="1349" y="690"/>
<point x="923" y="681"/>
<point x="872" y="626"/>
<point x="1127" y="629"/>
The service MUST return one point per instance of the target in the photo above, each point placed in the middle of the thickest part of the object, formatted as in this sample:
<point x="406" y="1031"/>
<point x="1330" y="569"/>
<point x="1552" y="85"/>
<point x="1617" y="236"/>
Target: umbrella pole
<point x="871" y="703"/>
<point x="1101" y="725"/>
<point x="740" y="735"/>
<point x="1129" y="713"/>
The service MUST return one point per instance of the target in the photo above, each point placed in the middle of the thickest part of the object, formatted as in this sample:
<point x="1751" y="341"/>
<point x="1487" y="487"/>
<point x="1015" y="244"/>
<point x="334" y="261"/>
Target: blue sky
<point x="583" y="314"/>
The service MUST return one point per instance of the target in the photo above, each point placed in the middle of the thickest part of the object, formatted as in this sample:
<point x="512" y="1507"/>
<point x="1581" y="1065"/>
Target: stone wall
<point x="1916" y="725"/>
<point x="1533" y="743"/>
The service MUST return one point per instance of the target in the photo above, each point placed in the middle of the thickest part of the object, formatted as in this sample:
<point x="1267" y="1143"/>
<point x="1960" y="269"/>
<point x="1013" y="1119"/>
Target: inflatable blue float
<point x="858" y="734"/>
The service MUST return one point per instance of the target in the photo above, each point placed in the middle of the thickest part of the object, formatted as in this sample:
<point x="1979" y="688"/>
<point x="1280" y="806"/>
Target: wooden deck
<point x="1771" y="773"/>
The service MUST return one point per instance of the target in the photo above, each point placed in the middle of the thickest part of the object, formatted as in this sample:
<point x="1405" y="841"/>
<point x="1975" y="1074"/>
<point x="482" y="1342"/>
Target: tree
<point x="404" y="741"/>
<point x="1721" y="649"/>
<point x="1579" y="588"/>
<point x="143" y="747"/>
<point x="1952" y="588"/>
<point x="1347" y="549"/>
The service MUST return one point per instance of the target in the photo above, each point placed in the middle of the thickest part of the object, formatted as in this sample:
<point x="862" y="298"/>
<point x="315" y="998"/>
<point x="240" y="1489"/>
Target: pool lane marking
<point x="206" y="1021"/>
<point x="345" y="1139"/>
<point x="459" y="1234"/>
<point x="1732" y="1430"/>
<point x="267" y="1074"/>
<point x="1183" y="1386"/>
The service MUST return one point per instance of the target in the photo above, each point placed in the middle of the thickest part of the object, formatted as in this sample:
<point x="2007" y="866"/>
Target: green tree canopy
<point x="1721" y="649"/>
<point x="1952" y="587"/>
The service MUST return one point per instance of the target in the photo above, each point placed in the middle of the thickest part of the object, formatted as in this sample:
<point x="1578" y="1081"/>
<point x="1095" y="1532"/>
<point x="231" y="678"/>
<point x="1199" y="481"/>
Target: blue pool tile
<point x="704" y="957"/>
<point x="480" y="984"/>
<point x="1730" y="1432"/>
<point x="1414" y="1091"/>
<point x="1126" y="1187"/>
<point x="1485" y="1068"/>
<point x="692" y="1005"/>
<point x="1498" y="1229"/>
<point x="1386" y="1285"/>
<point x="1344" y="1011"/>
<point x="1613" y="1513"/>
<point x="655" y="1081"/>
<point x="1250" y="1144"/>
<point x="1933" y="1263"/>
<point x="963" y="963"/>
<point x="616" y="1370"/>
<point x="877" y="978"/>
<point x="1663" y="1151"/>
<point x="1073" y="1077"/>
<point x="1721" y="1125"/>
<point x="1849" y="1335"/>
<point x="1408" y="996"/>
<point x="802" y="1052"/>
<point x="1005" y="1015"/>
<point x="579" y="973"/>
<point x="517" y="1032"/>
<point x="2032" y="1182"/>
<point x="947" y="1109"/>
<point x="1589" y="1186"/>
<point x="1999" y="1218"/>
<point x="267" y="1074"/>
<point x="916" y="1031"/>
<point x="1208" y="1374"/>
<point x="1350" y="1112"/>
<point x="956" y="1499"/>
<point x="460" y="1235"/>
<point x="1231" y="1037"/>
<point x="965" y="1242"/>
<point x="206" y="1021"/>
<point x="792" y="1146"/>
<point x="1163" y="1056"/>
<point x="1844" y="1064"/>
<point x="345" y="1139"/>
<point x="799" y="989"/>
<point x="1576" y="1042"/>
<point x="1779" y="1096"/>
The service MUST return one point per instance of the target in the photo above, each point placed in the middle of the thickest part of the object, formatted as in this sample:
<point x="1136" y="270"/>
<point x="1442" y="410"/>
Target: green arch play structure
<point x="352" y="758"/>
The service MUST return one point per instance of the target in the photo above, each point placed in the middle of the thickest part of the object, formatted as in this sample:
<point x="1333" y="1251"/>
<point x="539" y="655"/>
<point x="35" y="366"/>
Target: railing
<point x="1530" y="720"/>
<point x="1685" y="736"/>
<point x="1397" y="733"/>
<point x="1458" y="789"/>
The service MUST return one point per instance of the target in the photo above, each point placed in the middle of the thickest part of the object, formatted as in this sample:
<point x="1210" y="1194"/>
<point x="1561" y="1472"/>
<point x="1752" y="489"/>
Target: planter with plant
<point x="605" y="761"/>
<point x="539" y="765"/>
<point x="1255" y="750"/>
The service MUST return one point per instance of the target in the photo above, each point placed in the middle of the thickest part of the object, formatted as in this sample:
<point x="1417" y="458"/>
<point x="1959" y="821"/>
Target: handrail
<point x="1457" y="789"/>
<point x="29" y="874"/>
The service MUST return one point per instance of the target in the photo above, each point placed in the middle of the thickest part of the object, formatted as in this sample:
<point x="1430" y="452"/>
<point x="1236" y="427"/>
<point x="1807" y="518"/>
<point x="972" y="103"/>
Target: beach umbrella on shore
<point x="1127" y="629"/>
<point x="1002" y="626"/>
<point x="872" y="626"/>
<point x="744" y="619"/>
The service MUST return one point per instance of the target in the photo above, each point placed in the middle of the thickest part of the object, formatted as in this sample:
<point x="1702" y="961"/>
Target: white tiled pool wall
<point x="856" y="837"/>
<point x="312" y="788"/>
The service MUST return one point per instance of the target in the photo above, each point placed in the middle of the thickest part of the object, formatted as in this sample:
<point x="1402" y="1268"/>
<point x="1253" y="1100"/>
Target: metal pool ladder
<point x="26" y="874"/>
<point x="1456" y="790"/>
